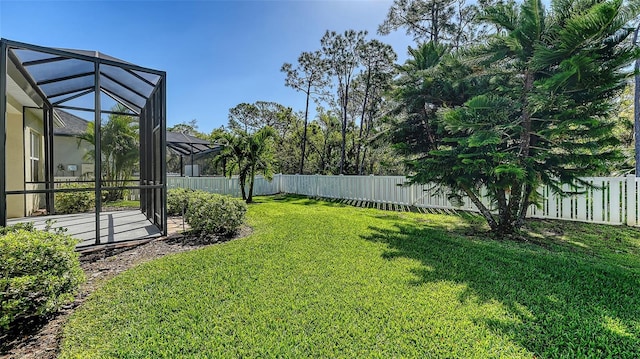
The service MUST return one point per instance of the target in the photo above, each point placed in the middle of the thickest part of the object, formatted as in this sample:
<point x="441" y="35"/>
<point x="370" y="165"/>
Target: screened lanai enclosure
<point x="191" y="153"/>
<point x="118" y="112"/>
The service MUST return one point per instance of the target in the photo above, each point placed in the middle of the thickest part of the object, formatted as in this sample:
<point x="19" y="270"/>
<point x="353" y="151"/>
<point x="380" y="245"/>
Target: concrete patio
<point x="115" y="226"/>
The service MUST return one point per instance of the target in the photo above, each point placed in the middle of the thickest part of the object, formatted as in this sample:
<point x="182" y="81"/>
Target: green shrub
<point x="39" y="272"/>
<point x="75" y="202"/>
<point x="27" y="226"/>
<point x="209" y="213"/>
<point x="178" y="200"/>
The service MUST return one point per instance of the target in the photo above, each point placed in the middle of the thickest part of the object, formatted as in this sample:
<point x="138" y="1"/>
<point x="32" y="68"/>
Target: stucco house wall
<point x="67" y="152"/>
<point x="67" y="156"/>
<point x="15" y="163"/>
<point x="24" y="136"/>
<point x="33" y="132"/>
<point x="24" y="148"/>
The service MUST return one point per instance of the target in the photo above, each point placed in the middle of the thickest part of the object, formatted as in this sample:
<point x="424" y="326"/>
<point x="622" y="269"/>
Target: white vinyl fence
<point x="223" y="185"/>
<point x="613" y="201"/>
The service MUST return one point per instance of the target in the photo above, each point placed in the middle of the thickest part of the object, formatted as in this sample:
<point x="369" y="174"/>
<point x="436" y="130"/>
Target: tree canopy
<point x="530" y="106"/>
<point x="496" y="99"/>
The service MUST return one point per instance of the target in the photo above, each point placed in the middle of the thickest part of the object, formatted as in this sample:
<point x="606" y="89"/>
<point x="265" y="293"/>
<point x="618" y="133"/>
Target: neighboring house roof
<point x="71" y="125"/>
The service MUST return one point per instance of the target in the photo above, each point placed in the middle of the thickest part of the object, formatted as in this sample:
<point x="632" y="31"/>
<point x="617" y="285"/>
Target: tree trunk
<point x="304" y="133"/>
<point x="343" y="146"/>
<point x="345" y="104"/>
<point x="367" y="133"/>
<point x="363" y="161"/>
<point x="323" y="156"/>
<point x="251" y="181"/>
<point x="524" y="206"/>
<point x="516" y="199"/>
<point x="241" y="179"/>
<point x="364" y="110"/>
<point x="427" y="127"/>
<point x="482" y="208"/>
<point x="435" y="25"/>
<point x="503" y="210"/>
<point x="505" y="218"/>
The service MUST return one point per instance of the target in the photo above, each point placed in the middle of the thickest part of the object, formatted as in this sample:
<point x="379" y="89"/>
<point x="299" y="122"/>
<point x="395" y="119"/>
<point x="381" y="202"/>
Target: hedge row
<point x="207" y="213"/>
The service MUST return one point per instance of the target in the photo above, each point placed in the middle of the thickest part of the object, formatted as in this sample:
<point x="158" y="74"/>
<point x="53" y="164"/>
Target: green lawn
<point x="322" y="280"/>
<point x="123" y="203"/>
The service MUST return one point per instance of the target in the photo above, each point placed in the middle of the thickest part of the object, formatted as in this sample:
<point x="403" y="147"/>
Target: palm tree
<point x="420" y="92"/>
<point x="247" y="154"/>
<point x="119" y="149"/>
<point x="259" y="156"/>
<point x="232" y="155"/>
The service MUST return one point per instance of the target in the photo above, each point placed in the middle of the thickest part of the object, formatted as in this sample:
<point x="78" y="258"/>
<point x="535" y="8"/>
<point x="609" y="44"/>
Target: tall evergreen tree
<point x="189" y="128"/>
<point x="377" y="61"/>
<point x="244" y="117"/>
<point x="309" y="77"/>
<point x="340" y="51"/>
<point x="431" y="79"/>
<point x="539" y="108"/>
<point x="452" y="22"/>
<point x="425" y="20"/>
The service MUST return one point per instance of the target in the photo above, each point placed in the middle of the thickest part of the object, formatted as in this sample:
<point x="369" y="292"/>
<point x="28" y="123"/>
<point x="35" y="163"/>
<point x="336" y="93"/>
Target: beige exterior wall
<point x="19" y="157"/>
<point x="34" y="129"/>
<point x="15" y="165"/>
<point x="23" y="119"/>
<point x="66" y="152"/>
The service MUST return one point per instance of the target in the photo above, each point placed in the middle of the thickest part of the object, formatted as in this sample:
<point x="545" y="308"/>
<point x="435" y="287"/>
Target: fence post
<point x="412" y="192"/>
<point x="631" y="200"/>
<point x="372" y="197"/>
<point x="279" y="183"/>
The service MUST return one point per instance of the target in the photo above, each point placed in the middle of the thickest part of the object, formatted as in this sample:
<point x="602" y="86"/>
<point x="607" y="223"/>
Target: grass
<point x="122" y="203"/>
<point x="318" y="279"/>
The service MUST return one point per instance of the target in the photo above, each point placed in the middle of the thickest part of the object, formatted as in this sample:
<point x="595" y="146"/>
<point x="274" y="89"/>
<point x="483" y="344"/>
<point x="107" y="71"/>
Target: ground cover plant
<point x="319" y="279"/>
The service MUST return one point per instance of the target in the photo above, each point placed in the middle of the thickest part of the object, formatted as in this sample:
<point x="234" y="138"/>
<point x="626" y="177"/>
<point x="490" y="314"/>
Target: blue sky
<point x="217" y="54"/>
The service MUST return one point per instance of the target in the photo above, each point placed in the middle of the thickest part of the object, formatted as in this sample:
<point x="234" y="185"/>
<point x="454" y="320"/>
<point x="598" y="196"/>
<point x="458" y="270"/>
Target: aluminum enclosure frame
<point x="120" y="80"/>
<point x="191" y="147"/>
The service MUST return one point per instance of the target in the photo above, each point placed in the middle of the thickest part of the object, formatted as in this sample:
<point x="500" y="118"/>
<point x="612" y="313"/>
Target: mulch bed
<point x="41" y="339"/>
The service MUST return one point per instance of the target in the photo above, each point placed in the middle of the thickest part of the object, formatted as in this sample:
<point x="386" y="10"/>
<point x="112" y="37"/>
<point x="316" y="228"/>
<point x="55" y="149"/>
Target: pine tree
<point x="309" y="77"/>
<point x="340" y="52"/>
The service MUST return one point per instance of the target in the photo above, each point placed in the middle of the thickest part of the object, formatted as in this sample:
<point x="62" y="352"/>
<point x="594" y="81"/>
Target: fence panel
<point x="615" y="203"/>
<point x="612" y="200"/>
<point x="632" y="188"/>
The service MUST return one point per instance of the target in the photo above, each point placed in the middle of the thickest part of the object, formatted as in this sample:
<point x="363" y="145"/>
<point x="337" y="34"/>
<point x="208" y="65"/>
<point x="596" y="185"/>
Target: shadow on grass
<point x="302" y="200"/>
<point x="567" y="305"/>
